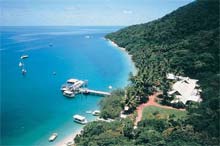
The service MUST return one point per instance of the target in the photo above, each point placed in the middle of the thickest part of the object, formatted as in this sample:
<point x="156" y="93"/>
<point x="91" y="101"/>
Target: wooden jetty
<point x="75" y="86"/>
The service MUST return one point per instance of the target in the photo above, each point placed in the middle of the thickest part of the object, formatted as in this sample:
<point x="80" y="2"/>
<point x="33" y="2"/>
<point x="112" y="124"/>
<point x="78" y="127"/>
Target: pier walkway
<point x="89" y="91"/>
<point x="75" y="86"/>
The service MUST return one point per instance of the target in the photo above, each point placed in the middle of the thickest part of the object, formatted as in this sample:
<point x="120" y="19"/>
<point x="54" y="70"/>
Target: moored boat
<point x="20" y="64"/>
<point x="24" y="56"/>
<point x="96" y="113"/>
<point x="23" y="71"/>
<point x="68" y="93"/>
<point x="80" y="119"/>
<point x="53" y="137"/>
<point x="70" y="143"/>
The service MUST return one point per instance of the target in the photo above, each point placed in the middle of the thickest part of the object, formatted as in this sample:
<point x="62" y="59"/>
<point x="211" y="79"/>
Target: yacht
<point x="20" y="64"/>
<point x="80" y="119"/>
<point x="53" y="137"/>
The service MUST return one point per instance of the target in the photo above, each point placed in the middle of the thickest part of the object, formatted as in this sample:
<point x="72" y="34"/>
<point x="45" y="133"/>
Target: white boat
<point x="53" y="137"/>
<point x="20" y="64"/>
<point x="68" y="93"/>
<point x="24" y="56"/>
<point x="70" y="143"/>
<point x="80" y="119"/>
<point x="96" y="113"/>
<point x="110" y="87"/>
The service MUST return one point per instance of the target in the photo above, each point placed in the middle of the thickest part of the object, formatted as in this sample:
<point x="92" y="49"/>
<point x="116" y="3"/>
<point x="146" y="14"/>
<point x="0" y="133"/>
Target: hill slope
<point x="185" y="42"/>
<point x="188" y="37"/>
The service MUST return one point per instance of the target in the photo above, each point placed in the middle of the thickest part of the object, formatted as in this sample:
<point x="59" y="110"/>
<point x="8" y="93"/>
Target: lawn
<point x="161" y="113"/>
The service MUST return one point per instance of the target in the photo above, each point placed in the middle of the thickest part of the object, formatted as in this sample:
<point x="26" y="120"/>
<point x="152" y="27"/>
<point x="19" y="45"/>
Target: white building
<point x="184" y="89"/>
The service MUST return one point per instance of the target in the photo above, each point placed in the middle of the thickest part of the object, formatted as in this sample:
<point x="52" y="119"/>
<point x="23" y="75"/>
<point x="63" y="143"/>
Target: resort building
<point x="184" y="89"/>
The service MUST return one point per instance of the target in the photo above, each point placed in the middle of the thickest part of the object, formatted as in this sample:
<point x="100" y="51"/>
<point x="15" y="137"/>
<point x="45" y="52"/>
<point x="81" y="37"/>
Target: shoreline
<point x="135" y="70"/>
<point x="116" y="45"/>
<point x="71" y="137"/>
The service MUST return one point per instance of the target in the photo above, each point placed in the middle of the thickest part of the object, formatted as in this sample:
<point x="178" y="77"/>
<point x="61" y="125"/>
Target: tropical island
<point x="174" y="54"/>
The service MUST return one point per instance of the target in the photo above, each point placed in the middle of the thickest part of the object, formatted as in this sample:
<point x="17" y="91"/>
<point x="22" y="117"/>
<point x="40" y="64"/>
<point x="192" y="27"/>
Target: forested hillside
<point x="184" y="42"/>
<point x="188" y="38"/>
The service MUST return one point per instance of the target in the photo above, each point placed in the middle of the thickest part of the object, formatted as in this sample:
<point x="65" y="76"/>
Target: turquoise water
<point x="32" y="106"/>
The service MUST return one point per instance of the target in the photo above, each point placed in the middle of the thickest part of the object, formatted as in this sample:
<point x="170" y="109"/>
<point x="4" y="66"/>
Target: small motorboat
<point x="24" y="56"/>
<point x="53" y="137"/>
<point x="70" y="143"/>
<point x="110" y="87"/>
<point x="23" y="71"/>
<point x="96" y="113"/>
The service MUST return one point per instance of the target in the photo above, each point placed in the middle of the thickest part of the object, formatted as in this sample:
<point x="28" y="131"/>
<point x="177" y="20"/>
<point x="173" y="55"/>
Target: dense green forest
<point x="184" y="42"/>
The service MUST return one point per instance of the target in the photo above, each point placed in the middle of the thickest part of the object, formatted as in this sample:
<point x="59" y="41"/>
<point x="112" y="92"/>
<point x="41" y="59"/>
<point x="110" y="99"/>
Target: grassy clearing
<point x="161" y="113"/>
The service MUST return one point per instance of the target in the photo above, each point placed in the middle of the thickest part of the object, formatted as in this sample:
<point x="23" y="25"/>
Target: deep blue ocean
<point x="32" y="106"/>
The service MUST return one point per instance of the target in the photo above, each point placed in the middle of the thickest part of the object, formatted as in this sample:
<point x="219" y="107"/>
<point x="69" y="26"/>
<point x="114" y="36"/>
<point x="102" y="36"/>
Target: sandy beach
<point x="116" y="45"/>
<point x="67" y="139"/>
